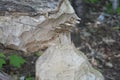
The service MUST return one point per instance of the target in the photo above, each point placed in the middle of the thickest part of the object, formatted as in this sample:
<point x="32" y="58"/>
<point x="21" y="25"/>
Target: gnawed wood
<point x="48" y="28"/>
<point x="63" y="61"/>
<point x="32" y="33"/>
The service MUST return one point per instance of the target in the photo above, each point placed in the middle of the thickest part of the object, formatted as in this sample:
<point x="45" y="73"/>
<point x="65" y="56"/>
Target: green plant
<point x="2" y="60"/>
<point x="16" y="60"/>
<point x="118" y="10"/>
<point x="108" y="8"/>
<point x="2" y="55"/>
<point x="29" y="78"/>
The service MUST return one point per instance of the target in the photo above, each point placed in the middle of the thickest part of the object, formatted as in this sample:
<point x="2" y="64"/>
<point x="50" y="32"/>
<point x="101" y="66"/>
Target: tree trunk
<point x="4" y="76"/>
<point x="31" y="25"/>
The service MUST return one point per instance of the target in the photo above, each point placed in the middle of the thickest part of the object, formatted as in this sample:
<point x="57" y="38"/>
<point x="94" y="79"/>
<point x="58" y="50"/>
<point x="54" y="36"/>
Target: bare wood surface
<point x="31" y="7"/>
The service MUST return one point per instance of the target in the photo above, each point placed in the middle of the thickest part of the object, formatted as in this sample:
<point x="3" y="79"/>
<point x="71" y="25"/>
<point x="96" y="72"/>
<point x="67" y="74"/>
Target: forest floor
<point x="99" y="41"/>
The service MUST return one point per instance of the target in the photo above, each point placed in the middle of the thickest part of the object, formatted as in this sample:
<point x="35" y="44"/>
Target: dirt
<point x="101" y="43"/>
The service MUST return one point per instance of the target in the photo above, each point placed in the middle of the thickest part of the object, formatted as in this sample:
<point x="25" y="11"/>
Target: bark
<point x="4" y="76"/>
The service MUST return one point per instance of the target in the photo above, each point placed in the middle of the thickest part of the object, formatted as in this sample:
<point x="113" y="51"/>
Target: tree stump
<point x="31" y="25"/>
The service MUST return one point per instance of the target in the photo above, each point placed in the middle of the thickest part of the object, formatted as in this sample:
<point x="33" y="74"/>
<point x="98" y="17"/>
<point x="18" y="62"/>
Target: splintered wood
<point x="33" y="7"/>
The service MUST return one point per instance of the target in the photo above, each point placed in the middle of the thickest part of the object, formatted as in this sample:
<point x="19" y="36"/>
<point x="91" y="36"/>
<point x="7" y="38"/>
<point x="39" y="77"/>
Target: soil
<point x="99" y="41"/>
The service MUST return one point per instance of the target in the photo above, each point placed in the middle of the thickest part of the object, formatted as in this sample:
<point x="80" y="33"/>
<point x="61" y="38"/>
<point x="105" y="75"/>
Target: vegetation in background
<point x="107" y="6"/>
<point x="29" y="78"/>
<point x="118" y="10"/>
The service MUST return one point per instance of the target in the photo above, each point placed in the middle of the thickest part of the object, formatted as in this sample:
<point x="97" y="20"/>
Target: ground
<point x="99" y="41"/>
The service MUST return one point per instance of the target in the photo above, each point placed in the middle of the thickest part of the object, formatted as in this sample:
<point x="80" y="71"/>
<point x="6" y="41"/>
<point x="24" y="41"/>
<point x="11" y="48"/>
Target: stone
<point x="64" y="62"/>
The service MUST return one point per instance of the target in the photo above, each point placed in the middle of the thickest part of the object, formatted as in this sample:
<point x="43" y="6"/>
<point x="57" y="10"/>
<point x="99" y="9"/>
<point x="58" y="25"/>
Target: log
<point x="4" y="76"/>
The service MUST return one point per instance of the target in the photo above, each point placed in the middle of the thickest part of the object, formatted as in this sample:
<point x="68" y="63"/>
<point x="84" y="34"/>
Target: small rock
<point x="109" y="64"/>
<point x="94" y="62"/>
<point x="117" y="55"/>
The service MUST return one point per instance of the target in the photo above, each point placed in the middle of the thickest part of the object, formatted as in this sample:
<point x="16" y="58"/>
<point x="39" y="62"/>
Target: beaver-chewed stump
<point x="32" y="25"/>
